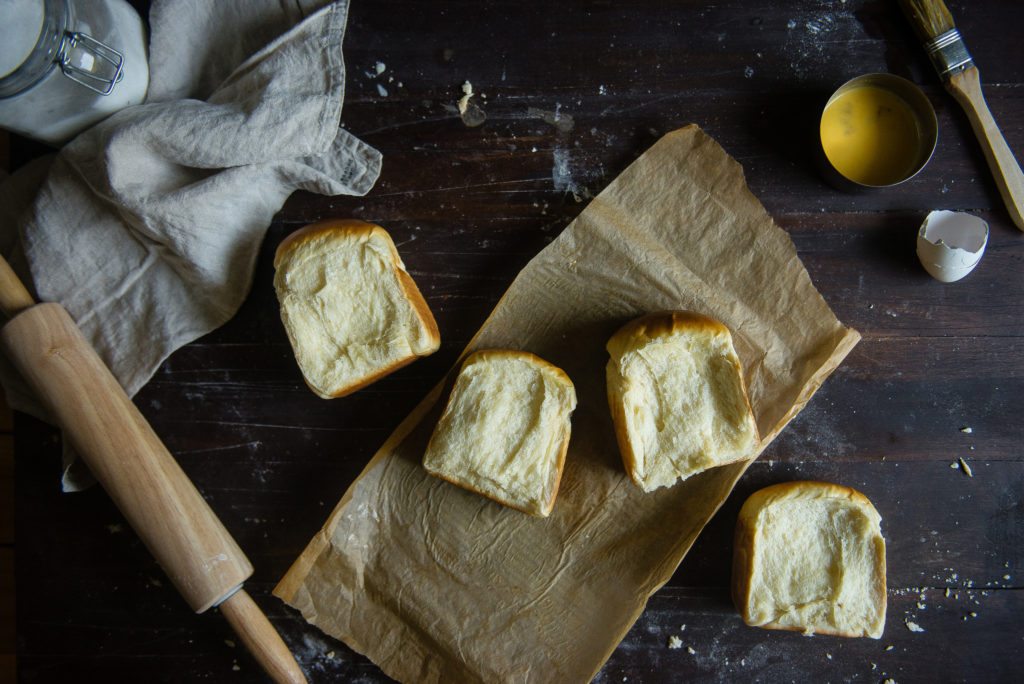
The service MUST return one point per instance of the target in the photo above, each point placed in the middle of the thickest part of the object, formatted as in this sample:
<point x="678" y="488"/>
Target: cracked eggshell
<point x="950" y="244"/>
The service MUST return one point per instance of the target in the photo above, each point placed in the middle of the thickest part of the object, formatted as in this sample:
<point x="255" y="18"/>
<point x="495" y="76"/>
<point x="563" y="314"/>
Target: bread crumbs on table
<point x="675" y="642"/>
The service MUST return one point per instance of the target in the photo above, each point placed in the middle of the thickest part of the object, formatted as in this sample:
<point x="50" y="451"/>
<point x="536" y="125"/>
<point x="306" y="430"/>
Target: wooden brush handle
<point x="966" y="88"/>
<point x="125" y="455"/>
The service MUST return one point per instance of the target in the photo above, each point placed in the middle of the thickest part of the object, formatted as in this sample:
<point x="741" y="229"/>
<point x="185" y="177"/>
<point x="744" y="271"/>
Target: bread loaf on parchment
<point x="677" y="398"/>
<point x="505" y="430"/>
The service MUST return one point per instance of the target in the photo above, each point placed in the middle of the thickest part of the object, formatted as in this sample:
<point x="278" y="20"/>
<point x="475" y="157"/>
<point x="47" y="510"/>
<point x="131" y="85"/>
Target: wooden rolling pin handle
<point x="140" y="475"/>
<point x="127" y="458"/>
<point x="14" y="298"/>
<point x="260" y="637"/>
<point x="966" y="88"/>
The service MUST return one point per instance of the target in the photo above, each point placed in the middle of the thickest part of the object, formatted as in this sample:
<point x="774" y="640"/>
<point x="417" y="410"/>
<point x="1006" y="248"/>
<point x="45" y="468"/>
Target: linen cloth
<point x="146" y="226"/>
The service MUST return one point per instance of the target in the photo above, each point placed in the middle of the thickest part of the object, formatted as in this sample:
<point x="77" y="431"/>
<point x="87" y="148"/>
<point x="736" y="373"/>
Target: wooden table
<point x="572" y="93"/>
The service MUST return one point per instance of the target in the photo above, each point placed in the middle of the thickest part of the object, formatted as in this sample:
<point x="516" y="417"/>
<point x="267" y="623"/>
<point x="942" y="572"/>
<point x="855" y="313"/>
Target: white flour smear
<point x="812" y="31"/>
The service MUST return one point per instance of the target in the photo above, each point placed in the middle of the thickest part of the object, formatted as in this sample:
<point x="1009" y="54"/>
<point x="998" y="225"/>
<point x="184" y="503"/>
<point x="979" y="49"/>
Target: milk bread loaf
<point x="810" y="556"/>
<point x="505" y="430"/>
<point x="351" y="311"/>
<point x="677" y="398"/>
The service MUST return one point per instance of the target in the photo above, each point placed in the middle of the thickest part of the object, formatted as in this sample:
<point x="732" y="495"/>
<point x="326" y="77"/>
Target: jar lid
<point x="44" y="55"/>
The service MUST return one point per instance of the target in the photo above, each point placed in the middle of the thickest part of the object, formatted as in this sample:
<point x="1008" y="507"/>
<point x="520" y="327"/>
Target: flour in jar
<point x="56" y="107"/>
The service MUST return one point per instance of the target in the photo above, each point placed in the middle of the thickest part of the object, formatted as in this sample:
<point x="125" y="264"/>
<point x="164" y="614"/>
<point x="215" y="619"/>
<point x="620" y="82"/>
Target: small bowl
<point x="876" y="131"/>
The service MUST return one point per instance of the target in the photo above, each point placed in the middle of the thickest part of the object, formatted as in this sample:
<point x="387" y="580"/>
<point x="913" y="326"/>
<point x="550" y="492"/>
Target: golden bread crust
<point x="487" y="356"/>
<point x="636" y="334"/>
<point x="747" y="537"/>
<point x="364" y="231"/>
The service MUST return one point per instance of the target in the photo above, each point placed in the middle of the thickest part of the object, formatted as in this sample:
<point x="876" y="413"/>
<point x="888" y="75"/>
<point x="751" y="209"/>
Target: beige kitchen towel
<point x="146" y="227"/>
<point x="437" y="584"/>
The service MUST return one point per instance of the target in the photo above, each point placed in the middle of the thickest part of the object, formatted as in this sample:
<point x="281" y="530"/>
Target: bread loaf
<point x="810" y="556"/>
<point x="677" y="398"/>
<point x="351" y="311"/>
<point x="505" y="430"/>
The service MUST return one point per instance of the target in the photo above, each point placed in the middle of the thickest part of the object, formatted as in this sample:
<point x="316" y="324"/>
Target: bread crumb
<point x="379" y="67"/>
<point x="967" y="430"/>
<point x="230" y="643"/>
<point x="954" y="465"/>
<point x="888" y="648"/>
<point x="689" y="649"/>
<point x="967" y="468"/>
<point x="890" y="681"/>
<point x="381" y="90"/>
<point x="235" y="666"/>
<point x="472" y="115"/>
<point x="914" y="627"/>
<point x="682" y="628"/>
<point x="467" y="93"/>
<point x="675" y="642"/>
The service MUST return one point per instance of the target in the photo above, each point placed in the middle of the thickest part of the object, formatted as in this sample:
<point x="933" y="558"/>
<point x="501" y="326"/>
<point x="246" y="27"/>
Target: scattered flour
<point x="813" y="31"/>
<point x="564" y="123"/>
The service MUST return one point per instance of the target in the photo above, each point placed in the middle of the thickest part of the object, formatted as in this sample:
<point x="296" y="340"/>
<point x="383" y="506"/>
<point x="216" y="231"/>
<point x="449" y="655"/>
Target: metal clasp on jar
<point x="86" y="60"/>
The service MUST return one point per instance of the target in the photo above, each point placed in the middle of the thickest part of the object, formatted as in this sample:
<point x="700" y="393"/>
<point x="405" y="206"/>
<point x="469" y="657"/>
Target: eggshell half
<point x="950" y="244"/>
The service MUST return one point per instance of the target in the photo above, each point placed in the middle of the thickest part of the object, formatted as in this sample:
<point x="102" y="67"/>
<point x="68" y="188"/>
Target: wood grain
<point x="468" y="207"/>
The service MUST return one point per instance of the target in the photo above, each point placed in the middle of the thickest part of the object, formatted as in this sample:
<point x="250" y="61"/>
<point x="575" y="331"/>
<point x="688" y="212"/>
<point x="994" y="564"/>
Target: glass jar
<point x="65" y="64"/>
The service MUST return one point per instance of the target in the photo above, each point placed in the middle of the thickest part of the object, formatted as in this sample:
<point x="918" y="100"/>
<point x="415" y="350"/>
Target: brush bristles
<point x="930" y="18"/>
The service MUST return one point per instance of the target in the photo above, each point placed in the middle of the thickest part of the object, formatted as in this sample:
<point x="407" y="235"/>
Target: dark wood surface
<point x="469" y="206"/>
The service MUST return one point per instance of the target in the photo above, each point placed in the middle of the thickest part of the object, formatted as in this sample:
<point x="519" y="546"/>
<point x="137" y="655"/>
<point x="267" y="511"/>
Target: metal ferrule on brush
<point x="948" y="54"/>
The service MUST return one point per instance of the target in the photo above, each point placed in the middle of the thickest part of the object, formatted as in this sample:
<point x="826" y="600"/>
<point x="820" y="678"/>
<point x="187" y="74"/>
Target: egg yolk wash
<point x="871" y="136"/>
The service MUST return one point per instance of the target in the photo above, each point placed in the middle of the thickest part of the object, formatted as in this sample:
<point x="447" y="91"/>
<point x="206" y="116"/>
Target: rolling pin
<point x="138" y="472"/>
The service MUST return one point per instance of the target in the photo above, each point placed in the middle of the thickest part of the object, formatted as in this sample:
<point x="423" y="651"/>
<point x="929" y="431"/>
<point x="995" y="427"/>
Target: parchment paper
<point x="434" y="583"/>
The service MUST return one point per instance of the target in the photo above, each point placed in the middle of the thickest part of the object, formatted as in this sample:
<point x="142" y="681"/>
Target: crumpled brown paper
<point x="434" y="583"/>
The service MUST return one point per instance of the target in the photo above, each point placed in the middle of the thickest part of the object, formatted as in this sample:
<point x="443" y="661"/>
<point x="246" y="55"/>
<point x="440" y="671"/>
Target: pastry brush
<point x="934" y="25"/>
